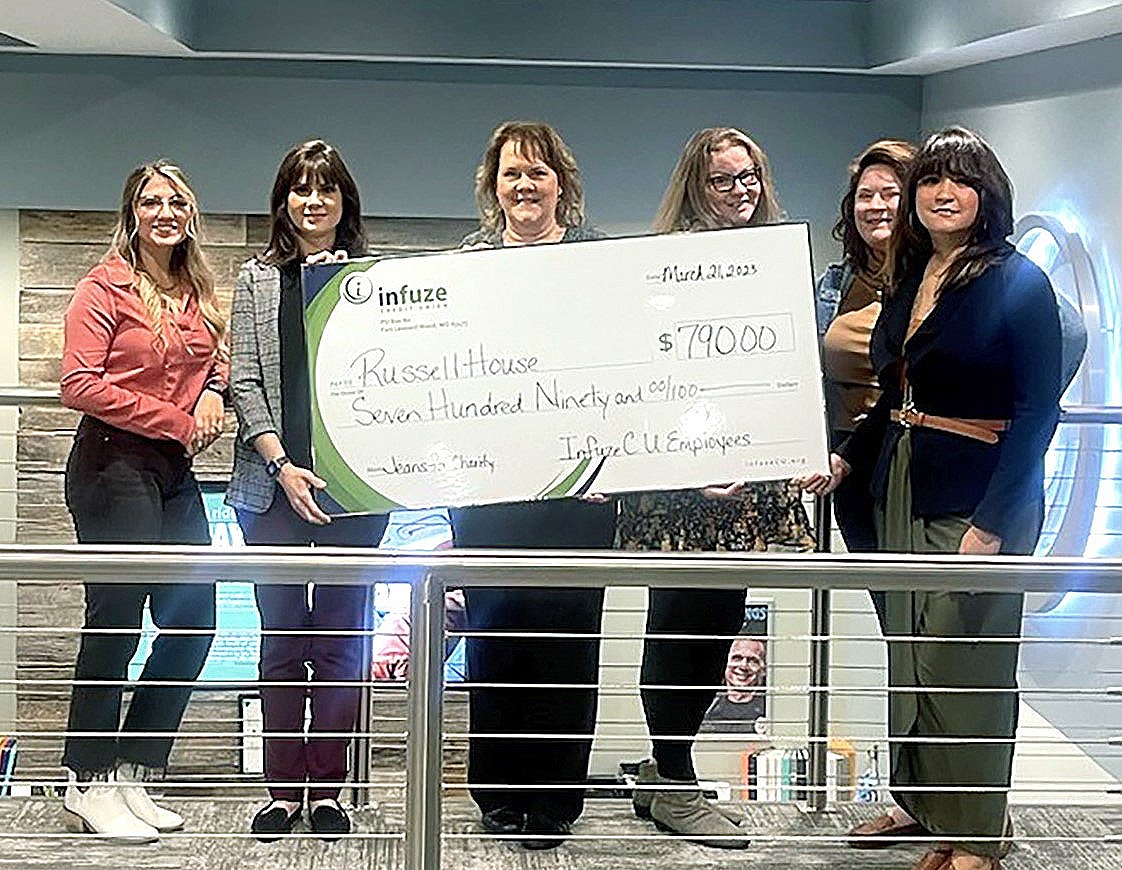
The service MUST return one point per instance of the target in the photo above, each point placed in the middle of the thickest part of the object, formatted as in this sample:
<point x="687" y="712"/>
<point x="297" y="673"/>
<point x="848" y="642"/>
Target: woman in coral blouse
<point x="145" y="361"/>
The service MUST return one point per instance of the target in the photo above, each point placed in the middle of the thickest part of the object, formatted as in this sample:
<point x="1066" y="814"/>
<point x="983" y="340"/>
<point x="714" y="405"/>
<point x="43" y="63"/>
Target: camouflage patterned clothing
<point x="767" y="516"/>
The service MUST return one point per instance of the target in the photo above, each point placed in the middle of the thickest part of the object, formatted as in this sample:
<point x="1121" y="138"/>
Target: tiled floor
<point x="31" y="836"/>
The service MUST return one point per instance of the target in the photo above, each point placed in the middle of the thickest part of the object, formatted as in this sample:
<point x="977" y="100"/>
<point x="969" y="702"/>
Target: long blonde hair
<point x="187" y="258"/>
<point x="685" y="206"/>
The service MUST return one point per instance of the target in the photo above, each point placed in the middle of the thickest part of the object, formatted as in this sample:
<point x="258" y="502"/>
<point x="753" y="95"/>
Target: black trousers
<point x="536" y="760"/>
<point x="295" y="657"/>
<point x="853" y="508"/>
<point x="678" y="712"/>
<point x="123" y="488"/>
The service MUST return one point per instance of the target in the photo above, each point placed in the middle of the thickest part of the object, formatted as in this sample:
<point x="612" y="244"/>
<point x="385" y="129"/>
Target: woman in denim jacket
<point x="848" y="302"/>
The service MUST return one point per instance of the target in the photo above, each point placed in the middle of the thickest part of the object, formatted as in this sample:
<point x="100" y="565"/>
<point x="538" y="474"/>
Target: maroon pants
<point x="307" y="659"/>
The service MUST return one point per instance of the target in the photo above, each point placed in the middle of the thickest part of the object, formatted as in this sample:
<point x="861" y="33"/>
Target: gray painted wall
<point x="413" y="135"/>
<point x="907" y="29"/>
<point x="1055" y="120"/>
<point x="758" y="33"/>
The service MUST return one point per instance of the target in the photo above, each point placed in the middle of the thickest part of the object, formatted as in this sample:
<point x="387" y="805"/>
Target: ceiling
<point x="896" y="37"/>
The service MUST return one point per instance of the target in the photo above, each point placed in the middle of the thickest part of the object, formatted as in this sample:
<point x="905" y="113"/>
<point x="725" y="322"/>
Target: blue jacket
<point x="836" y="281"/>
<point x="991" y="350"/>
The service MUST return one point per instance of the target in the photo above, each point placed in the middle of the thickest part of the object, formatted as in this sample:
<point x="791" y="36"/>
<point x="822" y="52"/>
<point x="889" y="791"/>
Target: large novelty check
<point x="658" y="362"/>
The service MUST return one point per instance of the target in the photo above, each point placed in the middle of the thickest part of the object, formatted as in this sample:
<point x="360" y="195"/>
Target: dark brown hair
<point x="540" y="141"/>
<point x="965" y="157"/>
<point x="897" y="155"/>
<point x="319" y="164"/>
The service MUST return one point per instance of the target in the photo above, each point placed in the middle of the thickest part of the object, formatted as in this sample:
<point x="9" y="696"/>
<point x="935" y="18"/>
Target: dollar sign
<point x="664" y="342"/>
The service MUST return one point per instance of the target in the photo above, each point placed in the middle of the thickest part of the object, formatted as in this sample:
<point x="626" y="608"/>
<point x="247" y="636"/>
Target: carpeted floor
<point x="32" y="836"/>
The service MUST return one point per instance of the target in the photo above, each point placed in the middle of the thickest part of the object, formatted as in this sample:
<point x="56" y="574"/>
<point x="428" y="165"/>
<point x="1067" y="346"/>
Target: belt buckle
<point x="906" y="411"/>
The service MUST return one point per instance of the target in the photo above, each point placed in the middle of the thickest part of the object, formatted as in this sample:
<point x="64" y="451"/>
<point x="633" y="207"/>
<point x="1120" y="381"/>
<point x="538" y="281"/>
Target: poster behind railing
<point x="741" y="706"/>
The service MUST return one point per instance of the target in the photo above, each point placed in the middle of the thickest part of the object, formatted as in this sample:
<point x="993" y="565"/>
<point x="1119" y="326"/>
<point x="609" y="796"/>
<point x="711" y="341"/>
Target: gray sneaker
<point x="688" y="814"/>
<point x="641" y="798"/>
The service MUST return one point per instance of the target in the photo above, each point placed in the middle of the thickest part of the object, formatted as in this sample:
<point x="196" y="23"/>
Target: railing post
<point x="819" y="717"/>
<point x="360" y="793"/>
<point x="424" y="742"/>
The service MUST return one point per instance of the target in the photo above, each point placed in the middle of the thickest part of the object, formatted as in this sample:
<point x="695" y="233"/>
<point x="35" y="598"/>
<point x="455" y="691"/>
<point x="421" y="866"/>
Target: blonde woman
<point x="144" y="360"/>
<point x="722" y="180"/>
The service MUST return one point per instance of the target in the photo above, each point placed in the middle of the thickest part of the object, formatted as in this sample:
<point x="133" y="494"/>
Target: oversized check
<point x="657" y="362"/>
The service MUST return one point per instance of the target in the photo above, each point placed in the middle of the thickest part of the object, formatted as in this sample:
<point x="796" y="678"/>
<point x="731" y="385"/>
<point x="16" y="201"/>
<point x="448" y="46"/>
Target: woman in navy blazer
<point x="967" y="349"/>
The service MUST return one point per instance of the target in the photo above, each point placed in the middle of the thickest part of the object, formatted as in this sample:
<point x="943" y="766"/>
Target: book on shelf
<point x="783" y="774"/>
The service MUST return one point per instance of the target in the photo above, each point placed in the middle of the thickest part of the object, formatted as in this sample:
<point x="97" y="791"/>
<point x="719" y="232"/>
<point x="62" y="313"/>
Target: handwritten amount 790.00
<point x="739" y="336"/>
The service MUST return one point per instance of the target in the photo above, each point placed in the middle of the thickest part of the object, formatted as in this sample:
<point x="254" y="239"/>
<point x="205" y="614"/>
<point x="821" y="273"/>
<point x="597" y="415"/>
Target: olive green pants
<point x="929" y="722"/>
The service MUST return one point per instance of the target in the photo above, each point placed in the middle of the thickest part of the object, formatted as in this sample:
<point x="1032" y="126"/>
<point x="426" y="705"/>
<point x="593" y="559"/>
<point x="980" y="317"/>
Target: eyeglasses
<point x="179" y="205"/>
<point x="723" y="183"/>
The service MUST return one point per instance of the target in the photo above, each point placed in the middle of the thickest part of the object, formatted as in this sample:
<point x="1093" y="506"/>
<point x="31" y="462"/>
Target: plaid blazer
<point x="255" y="381"/>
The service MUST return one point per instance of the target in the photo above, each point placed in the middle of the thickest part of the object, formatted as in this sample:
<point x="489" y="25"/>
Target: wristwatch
<point x="273" y="466"/>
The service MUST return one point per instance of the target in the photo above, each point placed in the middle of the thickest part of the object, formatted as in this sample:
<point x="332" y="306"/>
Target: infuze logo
<point x="356" y="288"/>
<point x="410" y="298"/>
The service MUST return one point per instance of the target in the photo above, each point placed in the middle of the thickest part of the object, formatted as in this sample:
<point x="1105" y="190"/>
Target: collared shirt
<point x="115" y="369"/>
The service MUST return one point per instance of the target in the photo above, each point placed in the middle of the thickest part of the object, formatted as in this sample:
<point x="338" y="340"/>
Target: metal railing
<point x="821" y="573"/>
<point x="451" y="569"/>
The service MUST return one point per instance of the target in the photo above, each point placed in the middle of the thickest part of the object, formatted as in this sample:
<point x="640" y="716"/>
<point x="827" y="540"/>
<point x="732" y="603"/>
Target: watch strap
<point x="273" y="466"/>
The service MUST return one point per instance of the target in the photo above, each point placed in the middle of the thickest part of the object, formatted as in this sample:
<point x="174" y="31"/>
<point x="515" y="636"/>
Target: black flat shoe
<point x="329" y="821"/>
<point x="544" y="832"/>
<point x="271" y="823"/>
<point x="504" y="821"/>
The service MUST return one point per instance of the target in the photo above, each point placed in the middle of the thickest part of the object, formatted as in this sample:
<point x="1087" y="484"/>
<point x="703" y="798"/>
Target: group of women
<point x="941" y="348"/>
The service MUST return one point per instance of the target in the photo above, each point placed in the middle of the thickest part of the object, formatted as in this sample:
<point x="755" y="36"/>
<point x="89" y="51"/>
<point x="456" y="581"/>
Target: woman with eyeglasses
<point x="144" y="359"/>
<point x="314" y="208"/>
<point x="722" y="180"/>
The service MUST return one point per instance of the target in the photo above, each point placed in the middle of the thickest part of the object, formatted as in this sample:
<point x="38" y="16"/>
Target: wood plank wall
<point x="56" y="249"/>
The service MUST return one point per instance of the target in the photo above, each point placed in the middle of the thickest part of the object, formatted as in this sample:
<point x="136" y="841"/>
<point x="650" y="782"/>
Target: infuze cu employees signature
<point x="681" y="273"/>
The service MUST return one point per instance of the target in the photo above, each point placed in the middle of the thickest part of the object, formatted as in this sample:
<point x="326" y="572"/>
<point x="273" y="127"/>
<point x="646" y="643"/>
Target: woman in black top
<point x="529" y="192"/>
<point x="967" y="350"/>
<point x="314" y="208"/>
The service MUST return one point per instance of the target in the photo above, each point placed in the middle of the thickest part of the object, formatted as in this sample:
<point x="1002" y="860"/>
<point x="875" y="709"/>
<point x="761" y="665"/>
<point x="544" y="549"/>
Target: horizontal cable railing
<point x="428" y="734"/>
<point x="424" y="738"/>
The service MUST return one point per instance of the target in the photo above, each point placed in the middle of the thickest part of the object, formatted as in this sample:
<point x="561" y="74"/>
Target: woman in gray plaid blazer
<point x="314" y="208"/>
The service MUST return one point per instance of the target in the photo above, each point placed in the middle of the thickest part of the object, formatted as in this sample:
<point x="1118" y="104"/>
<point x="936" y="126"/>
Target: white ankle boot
<point x="100" y="809"/>
<point x="129" y="779"/>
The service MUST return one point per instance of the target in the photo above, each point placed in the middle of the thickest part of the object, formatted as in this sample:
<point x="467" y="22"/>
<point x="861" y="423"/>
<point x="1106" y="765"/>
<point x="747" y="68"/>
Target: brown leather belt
<point x="980" y="430"/>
